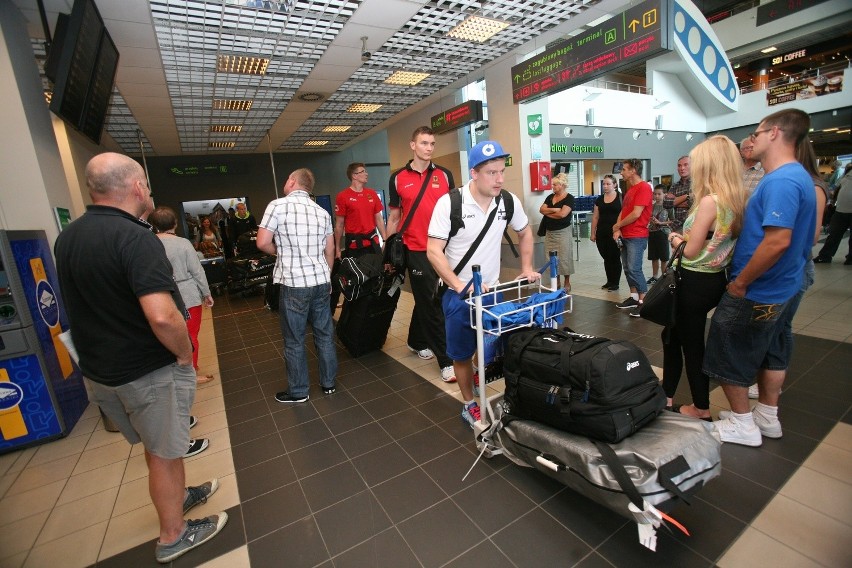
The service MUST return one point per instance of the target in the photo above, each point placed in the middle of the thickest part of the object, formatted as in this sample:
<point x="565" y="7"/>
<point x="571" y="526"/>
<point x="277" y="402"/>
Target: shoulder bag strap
<point x="414" y="205"/>
<point x="466" y="258"/>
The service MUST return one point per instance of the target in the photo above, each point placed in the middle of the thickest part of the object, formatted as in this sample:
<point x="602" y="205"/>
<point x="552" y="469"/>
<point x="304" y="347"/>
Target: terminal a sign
<point x="458" y="116"/>
<point x="576" y="148"/>
<point x="629" y="38"/>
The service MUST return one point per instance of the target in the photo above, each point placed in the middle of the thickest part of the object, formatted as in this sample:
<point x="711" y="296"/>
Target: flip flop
<point x="203" y="379"/>
<point x="676" y="408"/>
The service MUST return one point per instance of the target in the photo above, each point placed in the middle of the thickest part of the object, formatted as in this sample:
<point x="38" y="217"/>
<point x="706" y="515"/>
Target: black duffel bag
<point x="596" y="387"/>
<point x="359" y="276"/>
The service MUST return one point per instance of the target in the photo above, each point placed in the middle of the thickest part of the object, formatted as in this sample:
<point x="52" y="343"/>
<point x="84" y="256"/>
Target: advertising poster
<point x="806" y="88"/>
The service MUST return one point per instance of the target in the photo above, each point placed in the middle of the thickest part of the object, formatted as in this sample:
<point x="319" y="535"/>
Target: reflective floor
<point x="372" y="475"/>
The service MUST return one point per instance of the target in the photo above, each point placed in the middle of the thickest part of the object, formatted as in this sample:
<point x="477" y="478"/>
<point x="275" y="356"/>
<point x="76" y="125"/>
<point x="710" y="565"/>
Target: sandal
<point x="676" y="408"/>
<point x="202" y="379"/>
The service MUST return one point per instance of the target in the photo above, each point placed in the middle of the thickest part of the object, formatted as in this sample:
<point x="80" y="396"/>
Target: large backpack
<point x="359" y="276"/>
<point x="456" y="221"/>
<point x="600" y="388"/>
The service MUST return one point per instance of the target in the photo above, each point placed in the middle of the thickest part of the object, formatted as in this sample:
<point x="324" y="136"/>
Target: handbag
<point x="660" y="303"/>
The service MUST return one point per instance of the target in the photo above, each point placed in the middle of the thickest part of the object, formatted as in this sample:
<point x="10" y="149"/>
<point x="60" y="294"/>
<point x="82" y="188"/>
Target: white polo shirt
<point x="487" y="254"/>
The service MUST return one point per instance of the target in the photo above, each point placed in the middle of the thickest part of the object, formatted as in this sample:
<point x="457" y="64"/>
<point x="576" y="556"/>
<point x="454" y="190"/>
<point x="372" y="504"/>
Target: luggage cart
<point x="669" y="460"/>
<point x="489" y="307"/>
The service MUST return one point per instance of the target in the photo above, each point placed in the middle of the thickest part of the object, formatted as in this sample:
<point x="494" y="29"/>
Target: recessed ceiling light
<point x="316" y="142"/>
<point x="243" y="64"/>
<point x="336" y="128"/>
<point x="408" y="78"/>
<point x="311" y="97"/>
<point x="226" y="128"/>
<point x="364" y="107"/>
<point x="222" y="144"/>
<point x="769" y="49"/>
<point x="477" y="28"/>
<point x="232" y="104"/>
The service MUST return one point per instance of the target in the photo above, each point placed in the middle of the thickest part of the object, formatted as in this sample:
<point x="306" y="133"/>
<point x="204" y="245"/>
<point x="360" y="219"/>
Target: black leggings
<point x="611" y="256"/>
<point x="699" y="292"/>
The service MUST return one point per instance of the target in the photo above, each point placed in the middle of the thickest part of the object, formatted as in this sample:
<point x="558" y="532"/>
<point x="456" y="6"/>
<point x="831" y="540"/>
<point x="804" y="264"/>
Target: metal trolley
<point x="499" y="311"/>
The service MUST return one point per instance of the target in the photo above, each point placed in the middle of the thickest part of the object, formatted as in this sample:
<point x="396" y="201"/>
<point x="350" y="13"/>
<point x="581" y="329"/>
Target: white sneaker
<point x="735" y="432"/>
<point x="422" y="353"/>
<point x="769" y="426"/>
<point x="448" y="374"/>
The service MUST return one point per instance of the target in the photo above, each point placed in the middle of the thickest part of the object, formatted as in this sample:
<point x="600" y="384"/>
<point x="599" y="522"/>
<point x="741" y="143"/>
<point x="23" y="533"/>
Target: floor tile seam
<point x="781" y="542"/>
<point x="593" y="548"/>
<point x="847" y="522"/>
<point x="847" y="481"/>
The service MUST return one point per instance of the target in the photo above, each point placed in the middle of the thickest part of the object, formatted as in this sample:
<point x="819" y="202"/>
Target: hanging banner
<point x="805" y="88"/>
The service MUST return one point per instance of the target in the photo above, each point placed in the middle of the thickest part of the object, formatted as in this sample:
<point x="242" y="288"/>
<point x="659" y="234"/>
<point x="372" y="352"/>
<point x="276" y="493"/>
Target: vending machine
<point x="41" y="389"/>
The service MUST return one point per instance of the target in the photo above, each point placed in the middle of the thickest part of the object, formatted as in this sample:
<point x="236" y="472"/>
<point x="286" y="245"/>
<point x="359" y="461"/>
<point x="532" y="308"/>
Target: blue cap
<point x="485" y="151"/>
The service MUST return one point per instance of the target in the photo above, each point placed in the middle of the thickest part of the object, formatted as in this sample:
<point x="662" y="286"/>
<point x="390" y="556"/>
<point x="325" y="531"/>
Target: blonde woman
<point x="710" y="231"/>
<point x="556" y="217"/>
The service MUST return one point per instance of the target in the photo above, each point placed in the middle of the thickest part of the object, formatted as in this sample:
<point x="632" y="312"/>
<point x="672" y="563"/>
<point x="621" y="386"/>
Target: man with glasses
<point x="632" y="229"/>
<point x="487" y="163"/>
<point x="426" y="330"/>
<point x="752" y="170"/>
<point x="358" y="212"/>
<point x="747" y="339"/>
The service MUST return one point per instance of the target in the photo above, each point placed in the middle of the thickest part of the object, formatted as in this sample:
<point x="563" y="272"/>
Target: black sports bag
<point x="359" y="276"/>
<point x="600" y="388"/>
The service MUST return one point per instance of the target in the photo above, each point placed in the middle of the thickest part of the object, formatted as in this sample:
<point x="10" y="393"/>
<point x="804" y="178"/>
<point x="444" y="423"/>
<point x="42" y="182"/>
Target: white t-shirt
<point x="487" y="254"/>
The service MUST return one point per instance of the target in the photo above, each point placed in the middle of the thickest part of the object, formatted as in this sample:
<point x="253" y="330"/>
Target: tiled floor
<point x="371" y="476"/>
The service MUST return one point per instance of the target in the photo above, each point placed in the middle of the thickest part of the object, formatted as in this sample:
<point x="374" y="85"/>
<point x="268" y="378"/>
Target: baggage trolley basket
<point x="491" y="307"/>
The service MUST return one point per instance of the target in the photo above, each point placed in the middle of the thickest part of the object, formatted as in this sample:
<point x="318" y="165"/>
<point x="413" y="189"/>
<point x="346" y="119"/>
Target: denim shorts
<point x="154" y="409"/>
<point x="744" y="337"/>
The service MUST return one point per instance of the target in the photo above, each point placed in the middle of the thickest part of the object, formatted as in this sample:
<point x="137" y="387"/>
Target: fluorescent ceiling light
<point x="226" y="128"/>
<point x="600" y="20"/>
<point x="364" y="107"/>
<point x="769" y="49"/>
<point x="831" y="129"/>
<point x="408" y="78"/>
<point x="477" y="28"/>
<point x="843" y="131"/>
<point x="336" y="128"/>
<point x="243" y="64"/>
<point x="316" y="142"/>
<point x="660" y="104"/>
<point x="232" y="104"/>
<point x="592" y="95"/>
<point x="222" y="144"/>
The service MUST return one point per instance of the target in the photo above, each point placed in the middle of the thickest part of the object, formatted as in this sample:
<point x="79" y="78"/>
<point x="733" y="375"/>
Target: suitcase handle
<point x="557" y="467"/>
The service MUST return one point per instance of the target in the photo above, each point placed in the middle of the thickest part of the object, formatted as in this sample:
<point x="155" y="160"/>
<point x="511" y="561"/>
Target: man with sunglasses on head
<point x="747" y="338"/>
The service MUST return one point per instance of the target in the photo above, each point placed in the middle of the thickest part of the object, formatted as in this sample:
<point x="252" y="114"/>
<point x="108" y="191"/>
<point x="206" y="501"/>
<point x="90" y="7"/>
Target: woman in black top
<point x="607" y="210"/>
<point x="556" y="217"/>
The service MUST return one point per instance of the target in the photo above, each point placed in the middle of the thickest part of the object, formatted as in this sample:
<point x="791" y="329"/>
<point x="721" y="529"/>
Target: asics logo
<point x="632" y="365"/>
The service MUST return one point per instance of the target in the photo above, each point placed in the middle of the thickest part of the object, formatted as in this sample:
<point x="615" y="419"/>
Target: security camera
<point x="366" y="55"/>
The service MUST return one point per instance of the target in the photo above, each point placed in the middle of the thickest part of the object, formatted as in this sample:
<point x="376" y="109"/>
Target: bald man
<point x="131" y="338"/>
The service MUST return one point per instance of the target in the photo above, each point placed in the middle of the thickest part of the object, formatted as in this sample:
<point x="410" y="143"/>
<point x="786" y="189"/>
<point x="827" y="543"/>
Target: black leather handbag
<point x="660" y="303"/>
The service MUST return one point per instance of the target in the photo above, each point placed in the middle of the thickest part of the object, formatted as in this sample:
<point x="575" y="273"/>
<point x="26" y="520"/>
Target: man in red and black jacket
<point x="426" y="335"/>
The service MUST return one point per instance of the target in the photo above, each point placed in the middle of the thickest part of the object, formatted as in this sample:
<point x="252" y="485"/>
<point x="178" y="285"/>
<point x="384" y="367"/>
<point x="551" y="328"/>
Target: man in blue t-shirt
<point x="746" y="338"/>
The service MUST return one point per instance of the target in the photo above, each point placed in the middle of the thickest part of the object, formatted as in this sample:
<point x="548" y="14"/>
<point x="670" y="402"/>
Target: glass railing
<point x="616" y="86"/>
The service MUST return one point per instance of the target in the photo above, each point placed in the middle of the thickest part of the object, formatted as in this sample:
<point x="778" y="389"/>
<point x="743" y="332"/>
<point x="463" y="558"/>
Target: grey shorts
<point x="744" y="337"/>
<point x="154" y="409"/>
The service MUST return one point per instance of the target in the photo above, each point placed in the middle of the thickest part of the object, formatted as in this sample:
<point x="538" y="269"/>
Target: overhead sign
<point x="629" y="38"/>
<point x="206" y="170"/>
<point x="790" y="56"/>
<point x="458" y="116"/>
<point x="576" y="148"/>
<point x="772" y="11"/>
<point x="805" y="89"/>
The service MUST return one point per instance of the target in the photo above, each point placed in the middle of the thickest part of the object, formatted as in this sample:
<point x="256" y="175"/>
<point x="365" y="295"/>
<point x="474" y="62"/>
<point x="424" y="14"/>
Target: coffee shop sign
<point x="790" y="56"/>
<point x="806" y="88"/>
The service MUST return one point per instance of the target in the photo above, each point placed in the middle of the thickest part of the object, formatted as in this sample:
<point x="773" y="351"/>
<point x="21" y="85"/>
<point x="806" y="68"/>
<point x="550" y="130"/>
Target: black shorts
<point x="658" y="246"/>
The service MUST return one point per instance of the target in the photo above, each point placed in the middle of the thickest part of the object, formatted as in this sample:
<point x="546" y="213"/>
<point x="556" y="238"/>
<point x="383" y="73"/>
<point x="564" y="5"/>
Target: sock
<point x="766" y="410"/>
<point x="635" y="296"/>
<point x="466" y="404"/>
<point x="745" y="419"/>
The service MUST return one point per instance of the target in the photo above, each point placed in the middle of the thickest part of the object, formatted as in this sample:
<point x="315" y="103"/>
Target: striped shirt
<point x="301" y="228"/>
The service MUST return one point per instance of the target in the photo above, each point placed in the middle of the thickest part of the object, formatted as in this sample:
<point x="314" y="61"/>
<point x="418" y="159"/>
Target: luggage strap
<point x="617" y="469"/>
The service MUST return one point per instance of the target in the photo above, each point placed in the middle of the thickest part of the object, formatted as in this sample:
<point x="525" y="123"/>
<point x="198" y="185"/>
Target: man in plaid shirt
<point x="679" y="197"/>
<point x="299" y="232"/>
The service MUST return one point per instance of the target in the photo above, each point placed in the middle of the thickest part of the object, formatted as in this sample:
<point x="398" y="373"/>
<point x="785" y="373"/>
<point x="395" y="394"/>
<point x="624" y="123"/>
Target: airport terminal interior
<point x="383" y="472"/>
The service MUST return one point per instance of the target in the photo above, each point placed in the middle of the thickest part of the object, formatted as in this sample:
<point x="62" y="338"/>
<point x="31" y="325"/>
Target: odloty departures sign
<point x="633" y="36"/>
<point x="575" y="149"/>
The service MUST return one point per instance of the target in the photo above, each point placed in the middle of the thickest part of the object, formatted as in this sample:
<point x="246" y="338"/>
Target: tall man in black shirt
<point x="130" y="332"/>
